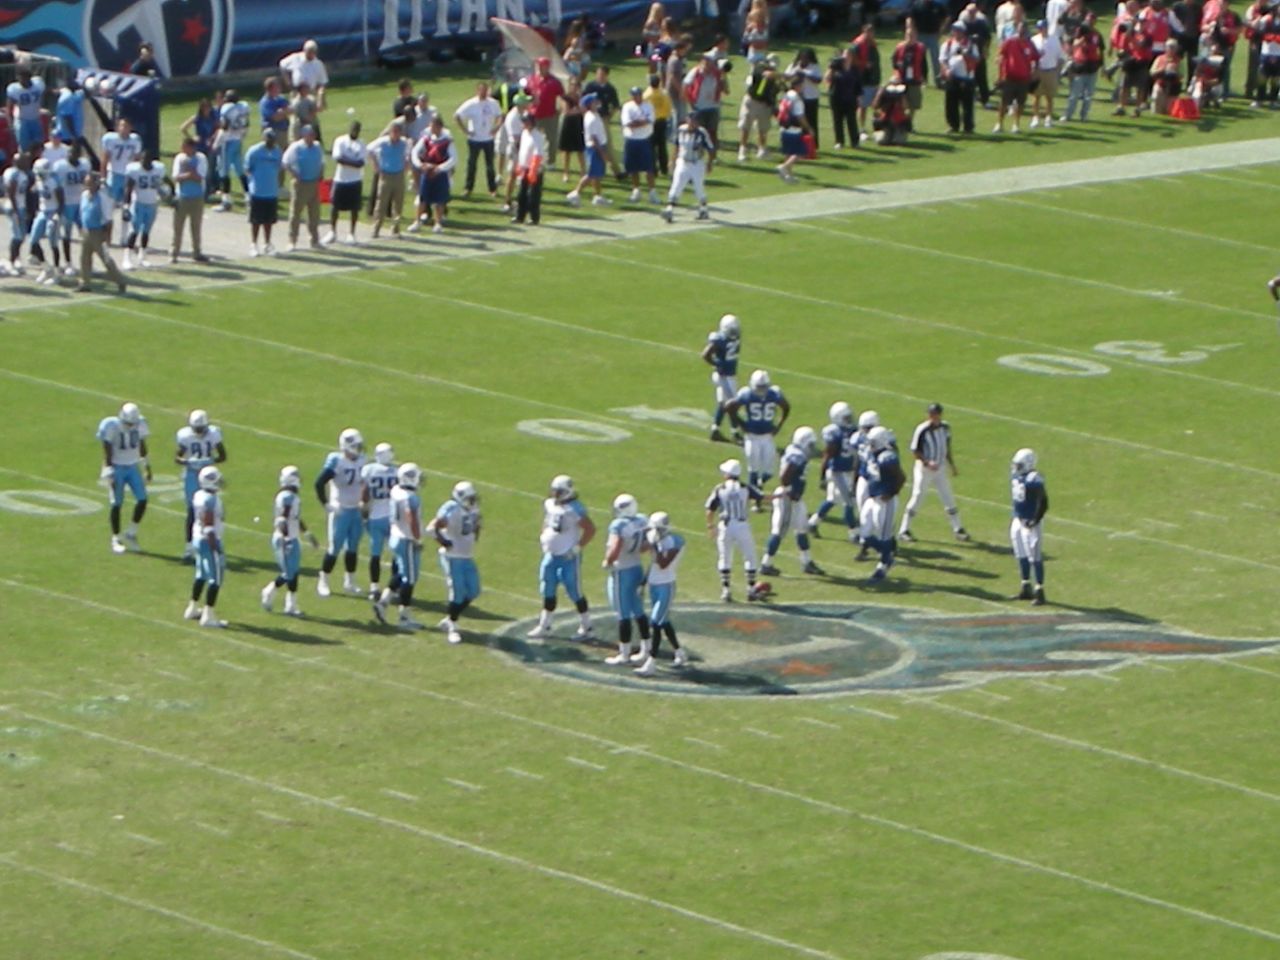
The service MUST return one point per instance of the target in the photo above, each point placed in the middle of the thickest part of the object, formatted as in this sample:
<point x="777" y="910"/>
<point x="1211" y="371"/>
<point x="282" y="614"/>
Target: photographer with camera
<point x="844" y="89"/>
<point x="1086" y="61"/>
<point x="958" y="60"/>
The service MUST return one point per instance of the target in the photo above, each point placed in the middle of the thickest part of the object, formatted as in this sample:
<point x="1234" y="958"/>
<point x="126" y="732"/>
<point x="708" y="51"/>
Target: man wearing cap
<point x="595" y="135"/>
<point x="1086" y="61"/>
<point x="1018" y="57"/>
<point x="1050" y="59"/>
<point x="910" y="59"/>
<point x="704" y="88"/>
<point x="509" y="144"/>
<point x="637" y="150"/>
<point x="546" y="91"/>
<point x="759" y="102"/>
<point x="390" y="156"/>
<point x="931" y="445"/>
<point x="978" y="28"/>
<point x="349" y="156"/>
<point x="304" y="160"/>
<point x="656" y="96"/>
<point x="436" y="156"/>
<point x="958" y="60"/>
<point x="263" y="164"/>
<point x="480" y="117"/>
<point x="527" y="168"/>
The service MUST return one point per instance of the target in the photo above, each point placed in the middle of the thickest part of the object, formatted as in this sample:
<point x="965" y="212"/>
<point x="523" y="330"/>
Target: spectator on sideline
<point x="480" y="117"/>
<point x="1086" y="61"/>
<point x="436" y="156"/>
<point x="95" y="225"/>
<point x="304" y="160"/>
<point x="1008" y="15"/>
<point x="891" y="113"/>
<point x="637" y="148"/>
<point x="546" y="91"/>
<point x="805" y="66"/>
<point x="305" y="66"/>
<point x="673" y="80"/>
<point x="513" y="127"/>
<point x="928" y="17"/>
<point x="1268" y="87"/>
<point x="571" y="119"/>
<point x="596" y="137"/>
<point x="390" y="156"/>
<point x="145" y="65"/>
<point x="1166" y="79"/>
<point x="912" y="66"/>
<point x="759" y="103"/>
<point x="190" y="173"/>
<point x="606" y="91"/>
<point x="1049" y="60"/>
<point x="866" y="57"/>
<point x="202" y="127"/>
<point x="1253" y="15"/>
<point x="303" y="112"/>
<point x="349" y="157"/>
<point x="844" y="90"/>
<point x="1221" y="31"/>
<point x="656" y="97"/>
<point x="273" y="108"/>
<point x="978" y="27"/>
<point x="704" y="89"/>
<point x="528" y="170"/>
<point x="1136" y="57"/>
<point x="795" y="124"/>
<point x="1018" y="57"/>
<point x="262" y="163"/>
<point x="958" y="60"/>
<point x="407" y="98"/>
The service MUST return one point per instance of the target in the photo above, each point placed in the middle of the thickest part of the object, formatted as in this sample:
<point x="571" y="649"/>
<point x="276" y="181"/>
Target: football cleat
<point x="1037" y="598"/>
<point x="117" y="545"/>
<point x="322" y="585"/>
<point x="648" y="668"/>
<point x="131" y="538"/>
<point x="268" y="594"/>
<point x="538" y="632"/>
<point x="770" y="570"/>
<point x="210" y="619"/>
<point x="192" y="612"/>
<point x="380" y="611"/>
<point x="906" y="536"/>
<point x="726" y="595"/>
<point x="681" y="657"/>
<point x="963" y="535"/>
<point x="407" y="622"/>
<point x="584" y="633"/>
<point x="813" y="569"/>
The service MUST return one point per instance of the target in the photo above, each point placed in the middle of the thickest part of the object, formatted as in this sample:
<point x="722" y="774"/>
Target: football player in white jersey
<point x="339" y="487"/>
<point x="286" y="530"/>
<point x="727" y="523"/>
<point x="144" y="180"/>
<point x="199" y="445"/>
<point x="789" y="514"/>
<point x="566" y="529"/>
<point x="406" y="546"/>
<point x="667" y="549"/>
<point x="623" y="562"/>
<point x="376" y="480"/>
<point x="16" y="180"/>
<point x="49" y="209"/>
<point x="456" y="527"/>
<point x="211" y="561"/>
<point x="71" y="173"/>
<point x="120" y="147"/>
<point x="124" y="464"/>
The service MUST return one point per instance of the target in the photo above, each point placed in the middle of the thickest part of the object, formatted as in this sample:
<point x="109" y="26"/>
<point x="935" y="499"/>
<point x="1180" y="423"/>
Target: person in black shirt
<point x="844" y="87"/>
<point x="606" y="92"/>
<point x="406" y="98"/>
<point x="978" y="27"/>
<point x="929" y="16"/>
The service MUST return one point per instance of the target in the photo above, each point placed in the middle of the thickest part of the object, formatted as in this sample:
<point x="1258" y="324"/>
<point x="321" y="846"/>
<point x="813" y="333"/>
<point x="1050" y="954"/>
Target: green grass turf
<point x="309" y="786"/>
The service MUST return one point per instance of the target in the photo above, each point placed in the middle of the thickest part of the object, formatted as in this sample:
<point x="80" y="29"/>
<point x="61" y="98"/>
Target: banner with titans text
<point x="194" y="37"/>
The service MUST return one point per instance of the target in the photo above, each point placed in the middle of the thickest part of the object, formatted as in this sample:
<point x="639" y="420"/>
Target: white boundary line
<point x="155" y="908"/>
<point x="756" y="786"/>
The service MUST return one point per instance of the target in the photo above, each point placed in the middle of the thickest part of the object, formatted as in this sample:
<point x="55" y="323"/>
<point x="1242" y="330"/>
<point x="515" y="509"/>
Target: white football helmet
<point x="42" y="167"/>
<point x="465" y="493"/>
<point x="730" y="329"/>
<point x="868" y="419"/>
<point x="384" y="454"/>
<point x="290" y="477"/>
<point x="198" y="421"/>
<point x="409" y="476"/>
<point x="1024" y="461"/>
<point x="624" y="505"/>
<point x="805" y="439"/>
<point x="731" y="468"/>
<point x="130" y="415"/>
<point x="210" y="478"/>
<point x="350" y="441"/>
<point x="660" y="524"/>
<point x="562" y="488"/>
<point x="760" y="381"/>
<point x="841" y="414"/>
<point x="878" y="438"/>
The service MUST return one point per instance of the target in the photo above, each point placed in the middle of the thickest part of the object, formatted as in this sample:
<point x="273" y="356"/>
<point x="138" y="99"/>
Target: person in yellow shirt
<point x="662" y="110"/>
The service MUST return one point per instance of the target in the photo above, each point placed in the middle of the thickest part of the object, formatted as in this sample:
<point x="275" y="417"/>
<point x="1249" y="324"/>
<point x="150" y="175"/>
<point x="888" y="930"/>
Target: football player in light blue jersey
<point x="721" y="352"/>
<point x="376" y="481"/>
<point x="71" y="173"/>
<point x="623" y="561"/>
<point x="667" y="548"/>
<point x="754" y="413"/>
<point x="456" y="527"/>
<point x="286" y="531"/>
<point x="144" y="183"/>
<point x="49" y="207"/>
<point x="199" y="444"/>
<point x="406" y="546"/>
<point x="339" y="488"/>
<point x="867" y="421"/>
<point x="120" y="147"/>
<point x="884" y="479"/>
<point x="233" y="118"/>
<point x="566" y="529"/>
<point x="1030" y="504"/>
<point x="789" y="515"/>
<point x="211" y="560"/>
<point x="16" y="181"/>
<point x="839" y="458"/>
<point x="124" y="464"/>
<point x="24" y="96"/>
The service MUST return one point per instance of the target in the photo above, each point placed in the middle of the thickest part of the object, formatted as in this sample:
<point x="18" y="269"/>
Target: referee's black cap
<point x="935" y="408"/>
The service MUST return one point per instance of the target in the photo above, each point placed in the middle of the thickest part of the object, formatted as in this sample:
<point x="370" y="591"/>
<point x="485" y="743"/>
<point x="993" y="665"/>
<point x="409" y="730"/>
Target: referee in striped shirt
<point x="931" y="444"/>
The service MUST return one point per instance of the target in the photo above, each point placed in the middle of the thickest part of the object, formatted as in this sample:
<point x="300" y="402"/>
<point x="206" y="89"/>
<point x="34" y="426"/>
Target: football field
<point x="917" y="769"/>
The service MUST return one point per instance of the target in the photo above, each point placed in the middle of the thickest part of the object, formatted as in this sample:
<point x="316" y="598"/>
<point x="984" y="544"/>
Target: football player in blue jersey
<point x="199" y="445"/>
<point x="457" y="528"/>
<point x="868" y="420"/>
<point x="789" y="515"/>
<point x="623" y="561"/>
<point x="839" y="457"/>
<point x="287" y="529"/>
<point x="566" y="530"/>
<point x="1030" y="504"/>
<point x="667" y="548"/>
<point x="124" y="453"/>
<point x="884" y="479"/>
<point x="376" y="480"/>
<point x="211" y="560"/>
<point x="754" y="412"/>
<point x="338" y="488"/>
<point x="721" y="352"/>
<point x="406" y="546"/>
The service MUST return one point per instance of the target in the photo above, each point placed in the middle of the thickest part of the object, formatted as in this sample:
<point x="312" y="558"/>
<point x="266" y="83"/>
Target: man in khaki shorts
<point x="305" y="162"/>
<point x="759" y="101"/>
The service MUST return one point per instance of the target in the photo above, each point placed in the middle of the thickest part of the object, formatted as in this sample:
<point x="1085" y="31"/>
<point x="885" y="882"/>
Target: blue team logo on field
<point x="190" y="36"/>
<point x="829" y="649"/>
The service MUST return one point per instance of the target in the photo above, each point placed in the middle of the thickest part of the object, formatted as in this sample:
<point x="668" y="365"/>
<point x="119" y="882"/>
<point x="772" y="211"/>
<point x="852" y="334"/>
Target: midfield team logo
<point x="828" y="649"/>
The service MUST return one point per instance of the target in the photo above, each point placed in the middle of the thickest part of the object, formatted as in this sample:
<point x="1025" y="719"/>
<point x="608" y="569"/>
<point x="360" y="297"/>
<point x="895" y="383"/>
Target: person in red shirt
<point x="1086" y="60"/>
<point x="1018" y="61"/>
<point x="546" y="91"/>
<point x="910" y="59"/>
<point x="1224" y="30"/>
<point x="1253" y="18"/>
<point x="1136" y="56"/>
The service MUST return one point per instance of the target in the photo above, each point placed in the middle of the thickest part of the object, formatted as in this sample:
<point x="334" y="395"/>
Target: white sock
<point x="270" y="590"/>
<point x="133" y="529"/>
<point x="544" y="620"/>
<point x="804" y="556"/>
<point x="768" y="559"/>
<point x="586" y="620"/>
<point x="385" y="598"/>
<point x="291" y="601"/>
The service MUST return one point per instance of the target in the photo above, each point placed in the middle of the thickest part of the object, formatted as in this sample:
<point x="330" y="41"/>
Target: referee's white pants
<point x="922" y="481"/>
<point x="685" y="174"/>
<point x="735" y="536"/>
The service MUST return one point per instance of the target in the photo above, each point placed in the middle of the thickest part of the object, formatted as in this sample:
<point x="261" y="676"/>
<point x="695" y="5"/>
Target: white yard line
<point x="1250" y="668"/>
<point x="764" y="734"/>
<point x="523" y="774"/>
<point x="463" y="784"/>
<point x="870" y="711"/>
<point x="579" y="762"/>
<point x="210" y="828"/>
<point x="149" y="907"/>
<point x="399" y="795"/>
<point x="815" y="722"/>
<point x="702" y="743"/>
<point x="697" y="769"/>
<point x="144" y="839"/>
